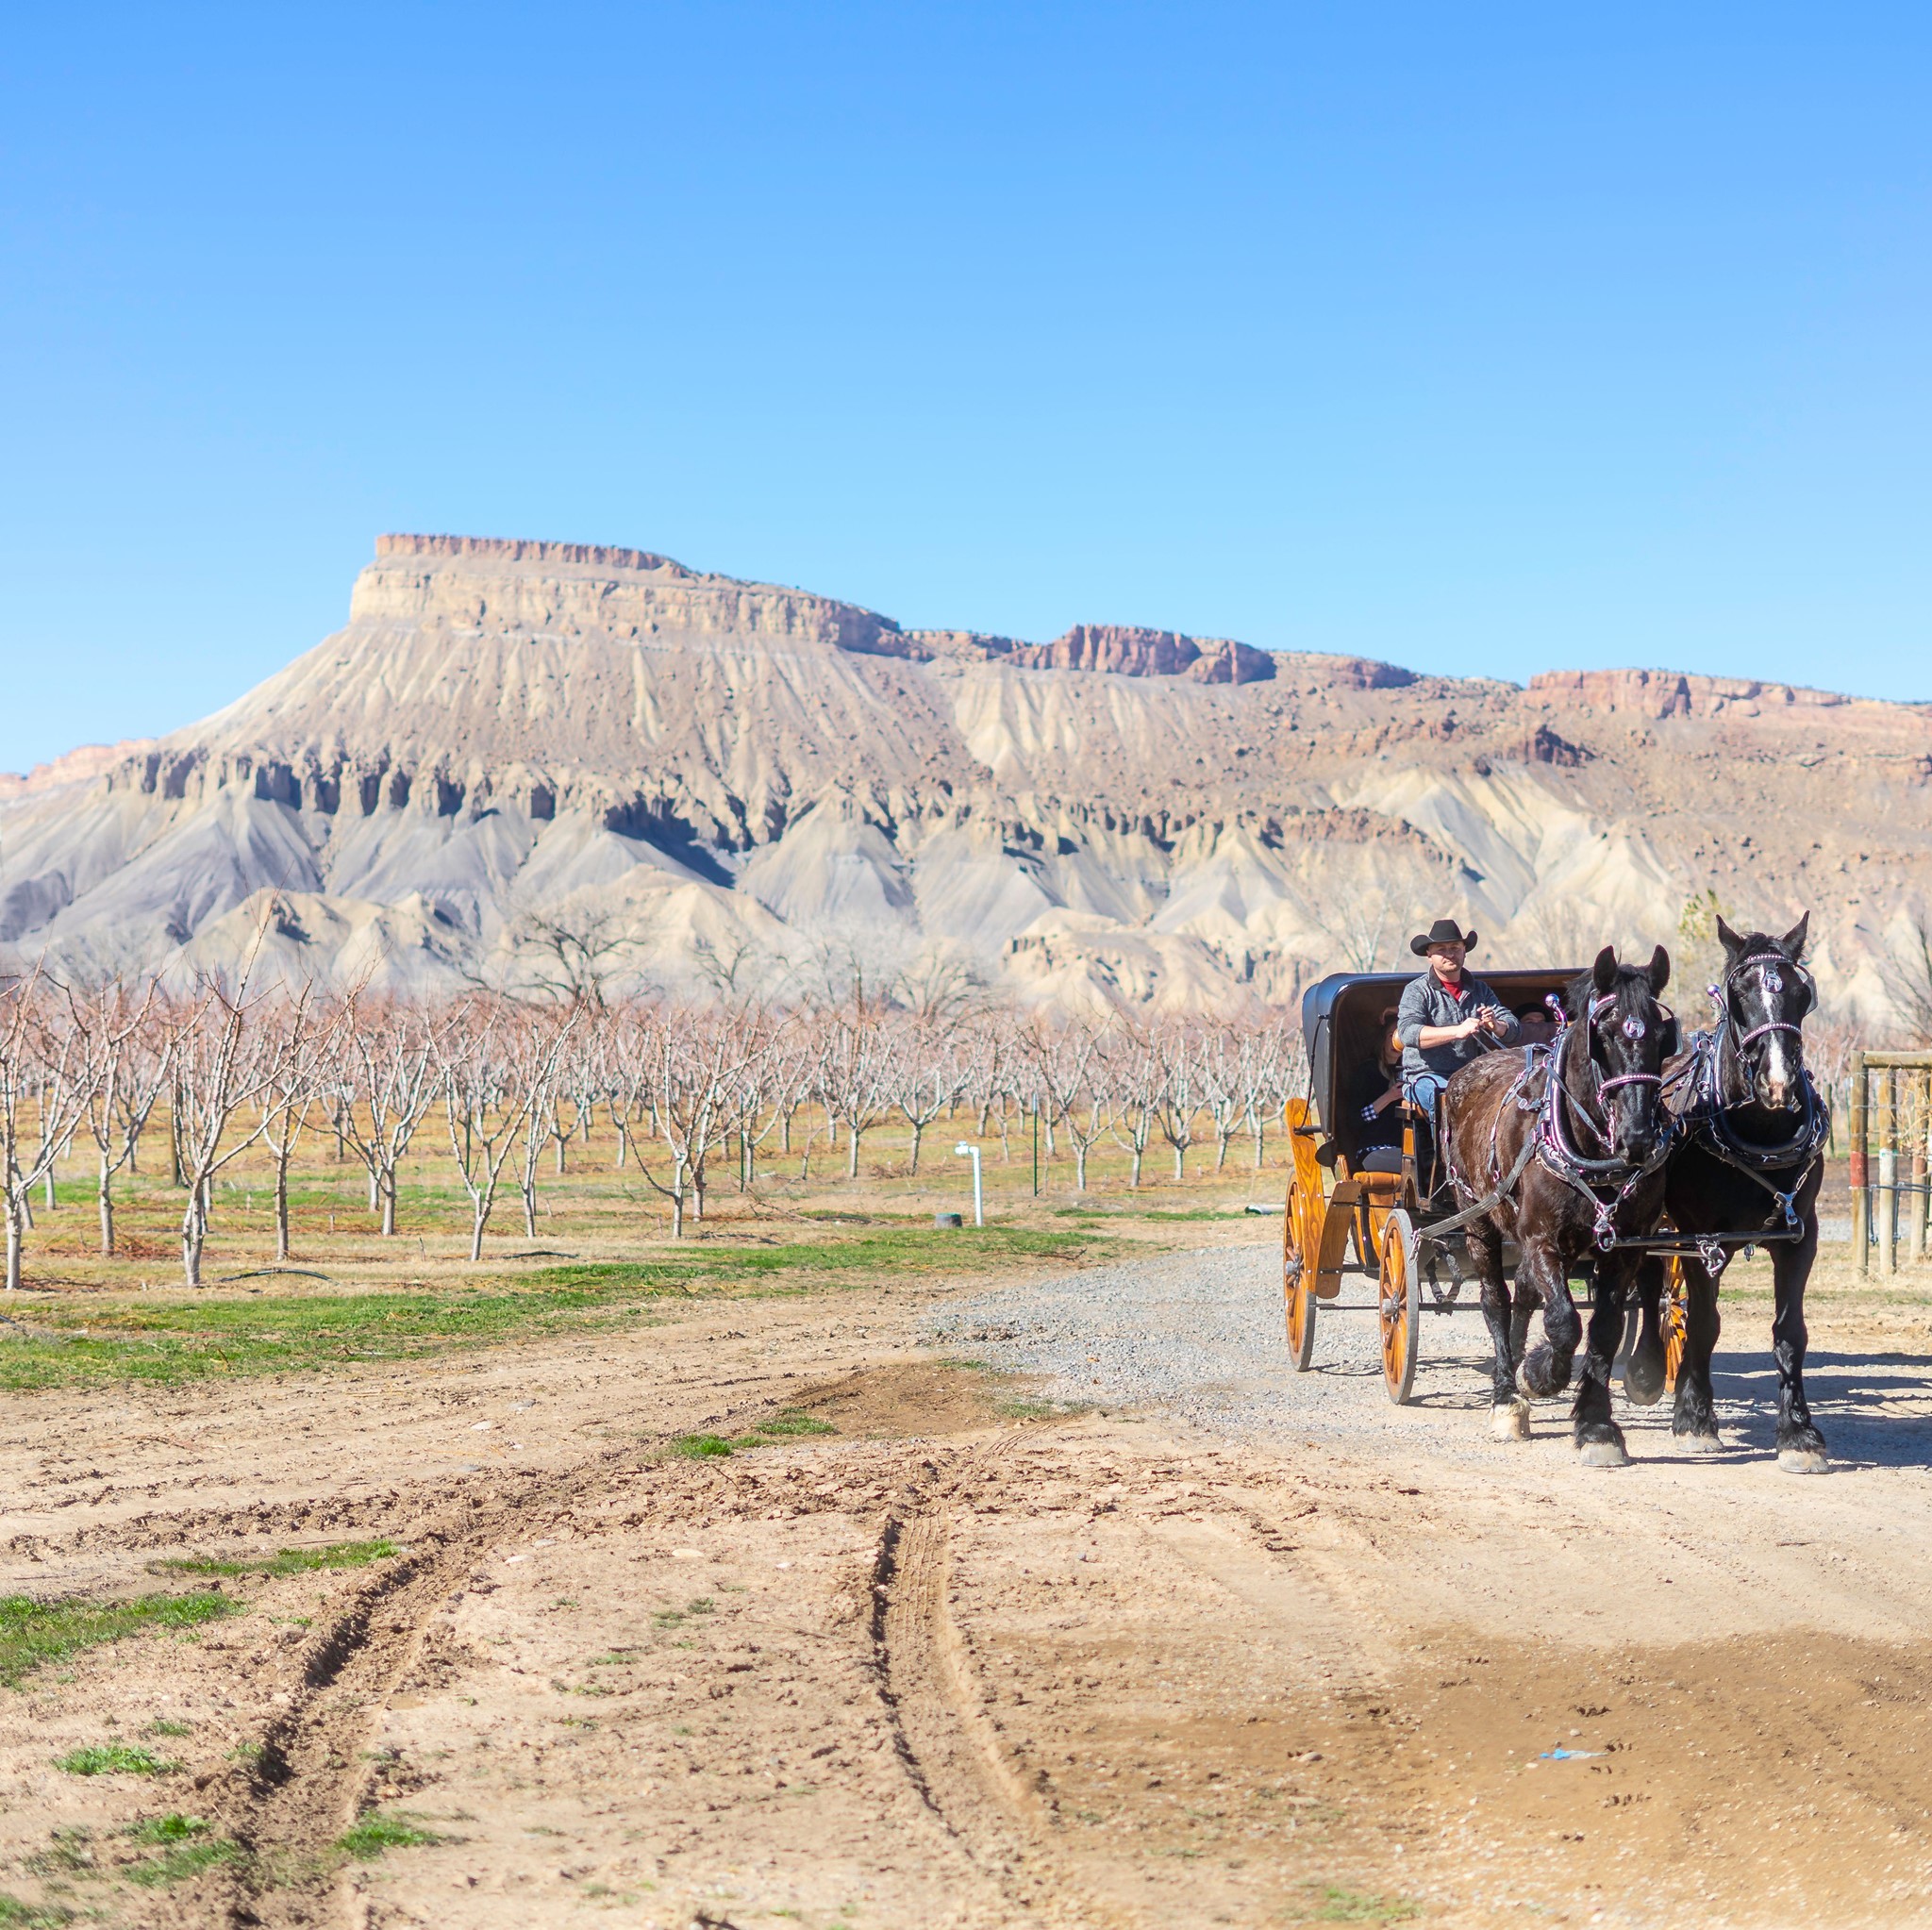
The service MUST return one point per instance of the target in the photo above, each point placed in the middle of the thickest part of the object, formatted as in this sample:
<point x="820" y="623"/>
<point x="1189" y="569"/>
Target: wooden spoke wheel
<point x="1300" y="1259"/>
<point x="1671" y="1315"/>
<point x="1401" y="1305"/>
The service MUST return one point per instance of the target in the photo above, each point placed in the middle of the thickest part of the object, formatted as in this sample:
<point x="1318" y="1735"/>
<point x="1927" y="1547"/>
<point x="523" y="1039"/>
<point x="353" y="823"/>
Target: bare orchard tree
<point x="697" y="1057"/>
<point x="304" y="1034"/>
<point x="1070" y="1073"/>
<point x="45" y="1070"/>
<point x="1366" y="919"/>
<point x="386" y="1057"/>
<point x="567" y="955"/>
<point x="1137" y="1077"/>
<point x="857" y="1071"/>
<point x="129" y="1045"/>
<point x="1911" y="978"/>
<point x="929" y="1061"/>
<point x="1182" y="1092"/>
<point x="225" y="1058"/>
<point x="773" y="1083"/>
<point x="494" y="1067"/>
<point x="1266" y="1063"/>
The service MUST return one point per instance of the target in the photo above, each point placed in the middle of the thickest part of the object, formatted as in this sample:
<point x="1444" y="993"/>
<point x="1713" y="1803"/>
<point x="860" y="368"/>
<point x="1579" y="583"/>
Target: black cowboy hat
<point x="1445" y="931"/>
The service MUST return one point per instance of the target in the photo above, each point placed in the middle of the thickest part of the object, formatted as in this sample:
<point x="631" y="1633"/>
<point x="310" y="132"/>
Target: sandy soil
<point x="961" y="1662"/>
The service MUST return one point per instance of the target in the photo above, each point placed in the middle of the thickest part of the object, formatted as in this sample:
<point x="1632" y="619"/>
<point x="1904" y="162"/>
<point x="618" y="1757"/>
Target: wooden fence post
<point x="1861" y="1198"/>
<point x="1884" y="1200"/>
<point x="1915" y="1199"/>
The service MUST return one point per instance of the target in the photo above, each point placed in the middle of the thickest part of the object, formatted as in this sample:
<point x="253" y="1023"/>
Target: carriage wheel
<point x="1401" y="1303"/>
<point x="1298" y="1278"/>
<point x="1673" y="1314"/>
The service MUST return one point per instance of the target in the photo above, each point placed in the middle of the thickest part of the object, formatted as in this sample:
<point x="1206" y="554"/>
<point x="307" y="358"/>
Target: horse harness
<point x="1702" y="1114"/>
<point x="1554" y="1148"/>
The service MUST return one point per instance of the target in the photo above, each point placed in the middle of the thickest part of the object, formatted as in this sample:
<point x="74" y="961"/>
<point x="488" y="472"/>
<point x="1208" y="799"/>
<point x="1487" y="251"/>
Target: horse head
<point x="1624" y="1032"/>
<point x="1765" y="995"/>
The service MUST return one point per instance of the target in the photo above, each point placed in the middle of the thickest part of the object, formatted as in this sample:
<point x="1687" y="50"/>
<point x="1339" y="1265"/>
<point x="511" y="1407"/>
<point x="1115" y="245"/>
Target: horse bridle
<point x="1593" y="1015"/>
<point x="1554" y="1150"/>
<point x="1775" y="964"/>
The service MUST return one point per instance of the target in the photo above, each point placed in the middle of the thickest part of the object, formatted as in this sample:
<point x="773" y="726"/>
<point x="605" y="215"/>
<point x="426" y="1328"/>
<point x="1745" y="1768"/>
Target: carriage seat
<point x="1380" y="1159"/>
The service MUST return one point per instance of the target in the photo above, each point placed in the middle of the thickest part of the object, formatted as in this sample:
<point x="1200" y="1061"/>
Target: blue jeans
<point x="1422" y="1089"/>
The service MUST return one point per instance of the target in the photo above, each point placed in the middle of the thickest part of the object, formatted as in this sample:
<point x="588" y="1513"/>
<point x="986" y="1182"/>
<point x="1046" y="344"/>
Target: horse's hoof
<point x="1702" y="1442"/>
<point x="1804" y="1460"/>
<point x="1511" y="1422"/>
<point x="1643" y="1381"/>
<point x="1601" y="1454"/>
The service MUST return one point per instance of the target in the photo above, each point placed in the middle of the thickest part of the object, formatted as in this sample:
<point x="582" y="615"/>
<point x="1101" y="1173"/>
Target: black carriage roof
<point x="1341" y="1019"/>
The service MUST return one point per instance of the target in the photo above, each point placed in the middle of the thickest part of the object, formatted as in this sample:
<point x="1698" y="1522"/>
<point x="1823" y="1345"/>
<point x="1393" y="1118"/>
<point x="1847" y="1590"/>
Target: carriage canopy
<point x="1341" y="1025"/>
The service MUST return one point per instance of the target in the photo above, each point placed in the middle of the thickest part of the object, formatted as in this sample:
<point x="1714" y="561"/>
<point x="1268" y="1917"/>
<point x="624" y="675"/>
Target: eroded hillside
<point x="694" y="764"/>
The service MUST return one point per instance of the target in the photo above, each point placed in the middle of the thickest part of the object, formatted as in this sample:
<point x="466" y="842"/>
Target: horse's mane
<point x="1581" y="992"/>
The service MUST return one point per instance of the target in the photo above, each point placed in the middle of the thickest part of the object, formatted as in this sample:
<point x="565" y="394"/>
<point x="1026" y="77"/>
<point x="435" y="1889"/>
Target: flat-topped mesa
<point x="630" y="595"/>
<point x="1659" y="693"/>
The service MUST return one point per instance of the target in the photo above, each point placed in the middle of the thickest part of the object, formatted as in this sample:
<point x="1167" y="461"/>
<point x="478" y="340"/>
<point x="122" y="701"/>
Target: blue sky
<point x="1485" y="339"/>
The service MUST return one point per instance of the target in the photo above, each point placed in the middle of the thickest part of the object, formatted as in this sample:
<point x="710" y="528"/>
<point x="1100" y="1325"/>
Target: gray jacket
<point x="1425" y="1002"/>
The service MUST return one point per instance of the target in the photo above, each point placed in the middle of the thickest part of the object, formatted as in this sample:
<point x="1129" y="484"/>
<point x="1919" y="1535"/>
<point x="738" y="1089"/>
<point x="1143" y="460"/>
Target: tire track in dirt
<point x="946" y="1736"/>
<point x="292" y="1803"/>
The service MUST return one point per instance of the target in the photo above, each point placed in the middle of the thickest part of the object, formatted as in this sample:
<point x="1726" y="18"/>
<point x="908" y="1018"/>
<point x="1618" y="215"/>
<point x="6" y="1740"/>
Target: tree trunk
<point x="389" y="1202"/>
<point x="918" y="1132"/>
<point x="1259" y="1129"/>
<point x="623" y="1146"/>
<point x="52" y="1202"/>
<point x="678" y="1199"/>
<point x="282" y="1208"/>
<point x="697" y="1193"/>
<point x="479" y="1220"/>
<point x="375" y="1186"/>
<point x="12" y="1249"/>
<point x="1134" y="1177"/>
<point x="1079" y="1167"/>
<point x="193" y="1232"/>
<point x="107" y="1203"/>
<point x="559" y="1155"/>
<point x="529" y="1193"/>
<point x="1180" y="1164"/>
<point x="852" y="1153"/>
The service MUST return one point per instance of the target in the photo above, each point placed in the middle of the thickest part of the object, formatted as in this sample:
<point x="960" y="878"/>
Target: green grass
<point x="1339" y="1905"/>
<point x="35" y="1631"/>
<point x="285" y="1561"/>
<point x="169" y="1343"/>
<point x="32" y="1916"/>
<point x="172" y="1828"/>
<point x="186" y="1849"/>
<point x="375" y="1833"/>
<point x="789" y="1425"/>
<point x="113" y="1760"/>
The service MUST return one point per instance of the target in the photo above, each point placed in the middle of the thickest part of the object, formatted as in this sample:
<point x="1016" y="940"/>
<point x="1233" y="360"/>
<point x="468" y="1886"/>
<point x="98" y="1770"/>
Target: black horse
<point x="1745" y="1171"/>
<point x="1580" y="1125"/>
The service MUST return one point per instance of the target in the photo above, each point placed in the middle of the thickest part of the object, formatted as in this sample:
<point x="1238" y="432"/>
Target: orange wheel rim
<point x="1395" y="1310"/>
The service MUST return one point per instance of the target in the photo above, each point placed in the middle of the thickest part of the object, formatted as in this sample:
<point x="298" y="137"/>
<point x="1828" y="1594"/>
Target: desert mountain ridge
<point x="698" y="768"/>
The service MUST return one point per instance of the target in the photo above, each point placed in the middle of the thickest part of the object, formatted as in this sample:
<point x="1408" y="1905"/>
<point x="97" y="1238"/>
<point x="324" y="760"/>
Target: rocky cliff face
<point x="705" y="767"/>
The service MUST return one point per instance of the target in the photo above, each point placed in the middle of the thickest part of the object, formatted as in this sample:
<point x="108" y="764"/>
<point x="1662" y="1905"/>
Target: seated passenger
<point x="1536" y="1026"/>
<point x="1380" y="1115"/>
<point x="1447" y="1016"/>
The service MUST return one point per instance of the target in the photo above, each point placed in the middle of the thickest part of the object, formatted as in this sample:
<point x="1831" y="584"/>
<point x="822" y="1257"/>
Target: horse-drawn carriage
<point x="1378" y="1189"/>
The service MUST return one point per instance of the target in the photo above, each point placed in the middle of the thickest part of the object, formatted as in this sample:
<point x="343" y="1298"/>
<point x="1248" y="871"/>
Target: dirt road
<point x="1138" y="1630"/>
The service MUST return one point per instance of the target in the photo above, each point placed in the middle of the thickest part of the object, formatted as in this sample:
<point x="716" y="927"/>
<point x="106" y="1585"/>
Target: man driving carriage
<point x="1447" y="1016"/>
